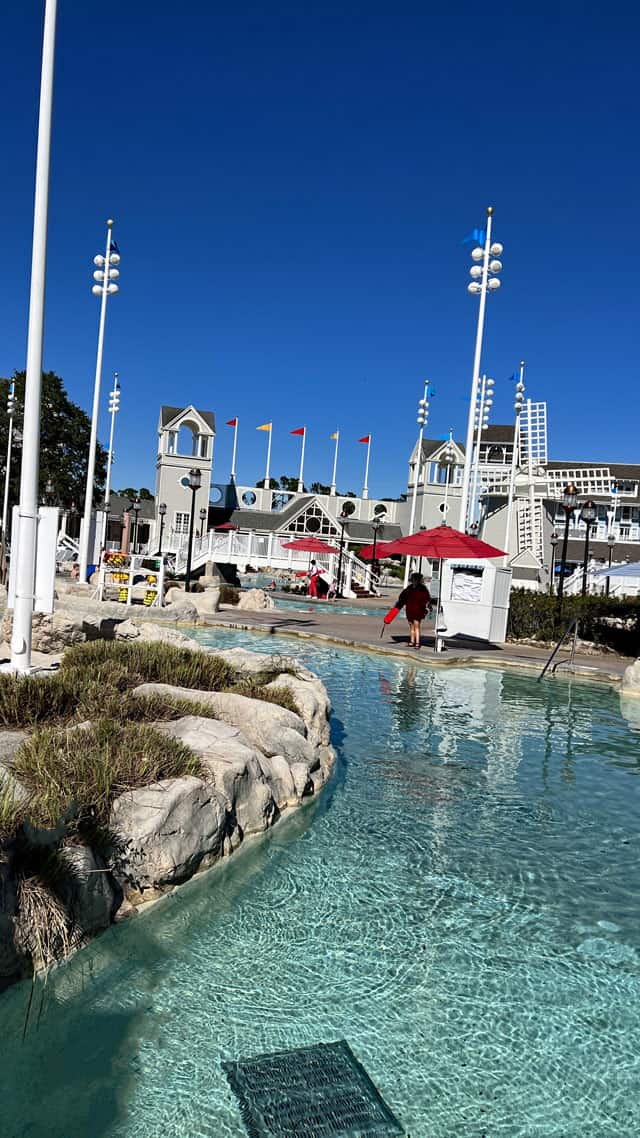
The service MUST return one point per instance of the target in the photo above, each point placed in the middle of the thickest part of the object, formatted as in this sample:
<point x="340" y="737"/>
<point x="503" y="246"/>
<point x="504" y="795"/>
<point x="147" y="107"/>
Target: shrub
<point x="81" y="771"/>
<point x="151" y="663"/>
<point x="229" y="595"/>
<point x="609" y="621"/>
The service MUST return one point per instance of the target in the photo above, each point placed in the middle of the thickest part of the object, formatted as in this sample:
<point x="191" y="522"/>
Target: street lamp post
<point x="569" y="503"/>
<point x="106" y="274"/>
<point x="422" y="420"/>
<point x="342" y="518"/>
<point x="376" y="526"/>
<point x="554" y="539"/>
<point x="203" y="514"/>
<point x="611" y="541"/>
<point x="195" y="481"/>
<point x="162" y="509"/>
<point x="588" y="515"/>
<point x="484" y="279"/>
<point x="49" y="492"/>
<point x="136" y="512"/>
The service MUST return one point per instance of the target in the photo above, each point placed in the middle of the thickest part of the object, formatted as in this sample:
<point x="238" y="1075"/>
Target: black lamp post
<point x="376" y="526"/>
<point x="569" y="503"/>
<point x="49" y="492"/>
<point x="195" y="481"/>
<point x="343" y="521"/>
<point x="203" y="514"/>
<point x="162" y="509"/>
<point x="611" y="541"/>
<point x="588" y="515"/>
<point x="136" y="511"/>
<point x="554" y="539"/>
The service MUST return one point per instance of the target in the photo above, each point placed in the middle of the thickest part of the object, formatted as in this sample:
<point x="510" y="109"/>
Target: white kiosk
<point x="474" y="600"/>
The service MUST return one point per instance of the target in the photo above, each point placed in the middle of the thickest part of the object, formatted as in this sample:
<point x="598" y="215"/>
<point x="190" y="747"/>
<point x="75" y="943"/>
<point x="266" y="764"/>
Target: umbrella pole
<point x="435" y="631"/>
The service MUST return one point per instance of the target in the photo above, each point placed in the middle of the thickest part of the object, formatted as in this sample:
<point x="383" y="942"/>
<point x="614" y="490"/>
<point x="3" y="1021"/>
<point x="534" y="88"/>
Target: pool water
<point x="304" y="604"/>
<point x="460" y="905"/>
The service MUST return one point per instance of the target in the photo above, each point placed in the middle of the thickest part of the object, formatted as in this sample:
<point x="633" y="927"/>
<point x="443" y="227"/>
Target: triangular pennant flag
<point x="232" y="422"/>
<point x="298" y="431"/>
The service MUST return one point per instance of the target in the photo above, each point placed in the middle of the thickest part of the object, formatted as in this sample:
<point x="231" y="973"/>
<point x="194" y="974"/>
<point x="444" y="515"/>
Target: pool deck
<point x="319" y="622"/>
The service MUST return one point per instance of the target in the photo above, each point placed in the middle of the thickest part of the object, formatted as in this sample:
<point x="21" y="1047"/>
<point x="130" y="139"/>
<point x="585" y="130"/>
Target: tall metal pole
<point x="113" y="410"/>
<point x="365" y="488"/>
<point x="7" y="472"/>
<point x="301" y="474"/>
<point x="235" y="450"/>
<point x="91" y="464"/>
<point x="476" y="455"/>
<point x="585" y="567"/>
<point x="464" y="499"/>
<point x="563" y="562"/>
<point x="335" y="464"/>
<point x="25" y="539"/>
<point x="266" y="473"/>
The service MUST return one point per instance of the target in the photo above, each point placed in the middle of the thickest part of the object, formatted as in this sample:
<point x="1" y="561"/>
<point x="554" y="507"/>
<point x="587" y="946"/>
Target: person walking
<point x="415" y="599"/>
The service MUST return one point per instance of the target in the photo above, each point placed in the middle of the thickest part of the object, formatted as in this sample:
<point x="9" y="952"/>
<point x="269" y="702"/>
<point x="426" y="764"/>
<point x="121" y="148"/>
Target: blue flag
<point x="477" y="236"/>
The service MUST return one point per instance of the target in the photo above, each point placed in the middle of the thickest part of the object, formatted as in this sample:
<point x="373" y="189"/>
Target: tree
<point x="320" y="488"/>
<point x="143" y="494"/>
<point x="273" y="485"/>
<point x="65" y="431"/>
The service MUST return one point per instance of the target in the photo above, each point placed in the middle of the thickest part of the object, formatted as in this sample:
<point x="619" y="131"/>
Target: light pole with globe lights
<point x="195" y="482"/>
<point x="517" y="406"/>
<point x="588" y="515"/>
<point x="484" y="403"/>
<point x="484" y="278"/>
<point x="106" y="274"/>
<point x="203" y="515"/>
<point x="114" y="407"/>
<point x="449" y="460"/>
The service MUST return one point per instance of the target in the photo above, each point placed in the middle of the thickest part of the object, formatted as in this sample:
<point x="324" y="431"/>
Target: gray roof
<point x="363" y="531"/>
<point x="626" y="471"/>
<point x="168" y="414"/>
<point x="599" y="551"/>
<point x="117" y="505"/>
<point x="494" y="433"/>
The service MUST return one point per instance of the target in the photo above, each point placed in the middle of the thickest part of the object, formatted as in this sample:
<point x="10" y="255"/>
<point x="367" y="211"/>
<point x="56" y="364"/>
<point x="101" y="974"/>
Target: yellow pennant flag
<point x="335" y="436"/>
<point x="264" y="427"/>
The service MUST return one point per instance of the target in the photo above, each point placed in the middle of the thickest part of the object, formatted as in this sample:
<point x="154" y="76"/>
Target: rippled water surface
<point x="460" y="905"/>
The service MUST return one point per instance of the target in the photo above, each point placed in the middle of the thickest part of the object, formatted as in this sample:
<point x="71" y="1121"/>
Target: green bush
<point x="609" y="621"/>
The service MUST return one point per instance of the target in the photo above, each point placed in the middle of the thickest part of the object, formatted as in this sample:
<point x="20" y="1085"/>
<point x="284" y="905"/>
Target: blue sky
<point x="291" y="185"/>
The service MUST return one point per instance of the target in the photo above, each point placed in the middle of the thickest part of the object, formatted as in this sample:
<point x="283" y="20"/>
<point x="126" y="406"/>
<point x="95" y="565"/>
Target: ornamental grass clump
<point x="75" y="774"/>
<point x="152" y="663"/>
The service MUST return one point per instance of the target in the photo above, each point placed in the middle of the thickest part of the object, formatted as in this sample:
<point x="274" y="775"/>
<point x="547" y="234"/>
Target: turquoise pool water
<point x="303" y="604"/>
<point x="460" y="905"/>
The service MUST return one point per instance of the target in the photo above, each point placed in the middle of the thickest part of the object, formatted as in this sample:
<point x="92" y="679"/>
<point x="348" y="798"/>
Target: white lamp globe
<point x="98" y="260"/>
<point x="495" y="266"/>
<point x="114" y="258"/>
<point x="494" y="283"/>
<point x="98" y="275"/>
<point x="475" y="271"/>
<point x="477" y="254"/>
<point x="114" y="274"/>
<point x="96" y="290"/>
<point x="113" y="288"/>
<point x="474" y="287"/>
<point x="496" y="249"/>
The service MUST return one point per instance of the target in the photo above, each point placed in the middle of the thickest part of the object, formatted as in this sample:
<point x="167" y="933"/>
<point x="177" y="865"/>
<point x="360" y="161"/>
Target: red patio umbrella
<point x="309" y="545"/>
<point x="380" y="550"/>
<point x="225" y="526"/>
<point x="442" y="543"/>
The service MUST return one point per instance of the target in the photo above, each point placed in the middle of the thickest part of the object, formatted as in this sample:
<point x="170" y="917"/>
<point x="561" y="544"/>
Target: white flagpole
<point x="301" y="476"/>
<point x="335" y="465"/>
<point x="25" y="539"/>
<point x="365" y="488"/>
<point x="266" y="476"/>
<point x="235" y="448"/>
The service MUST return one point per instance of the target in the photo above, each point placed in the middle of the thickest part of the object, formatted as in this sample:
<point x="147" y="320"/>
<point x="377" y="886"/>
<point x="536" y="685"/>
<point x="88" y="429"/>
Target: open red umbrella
<point x="367" y="551"/>
<point x="442" y="543"/>
<point x="309" y="545"/>
<point x="225" y="526"/>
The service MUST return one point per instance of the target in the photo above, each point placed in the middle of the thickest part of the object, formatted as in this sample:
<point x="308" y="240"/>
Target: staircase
<point x="360" y="590"/>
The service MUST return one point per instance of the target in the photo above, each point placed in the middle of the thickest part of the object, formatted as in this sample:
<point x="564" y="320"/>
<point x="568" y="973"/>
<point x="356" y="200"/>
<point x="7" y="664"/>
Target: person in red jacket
<point x="415" y="599"/>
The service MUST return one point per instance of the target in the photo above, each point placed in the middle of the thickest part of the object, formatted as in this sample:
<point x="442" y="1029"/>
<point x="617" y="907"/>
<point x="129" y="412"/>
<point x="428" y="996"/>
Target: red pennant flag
<point x="366" y="439"/>
<point x="300" y="431"/>
<point x="232" y="422"/>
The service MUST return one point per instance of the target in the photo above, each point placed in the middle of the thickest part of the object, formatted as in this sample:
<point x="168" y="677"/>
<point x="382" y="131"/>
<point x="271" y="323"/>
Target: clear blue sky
<point x="291" y="184"/>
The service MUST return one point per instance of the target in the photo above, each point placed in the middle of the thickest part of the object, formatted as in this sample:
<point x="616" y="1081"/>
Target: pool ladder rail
<point x="573" y="628"/>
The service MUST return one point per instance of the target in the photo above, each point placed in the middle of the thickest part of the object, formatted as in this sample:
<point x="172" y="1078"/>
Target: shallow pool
<point x="460" y="905"/>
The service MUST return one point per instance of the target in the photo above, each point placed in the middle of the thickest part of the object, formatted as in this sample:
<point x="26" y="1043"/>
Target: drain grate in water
<point x="313" y="1092"/>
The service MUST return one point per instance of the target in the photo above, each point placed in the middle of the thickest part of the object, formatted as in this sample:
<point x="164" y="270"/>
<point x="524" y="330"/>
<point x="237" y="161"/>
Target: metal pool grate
<point x="312" y="1092"/>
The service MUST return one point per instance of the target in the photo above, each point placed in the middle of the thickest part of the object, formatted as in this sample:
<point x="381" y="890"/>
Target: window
<point x="181" y="522"/>
<point x="314" y="520"/>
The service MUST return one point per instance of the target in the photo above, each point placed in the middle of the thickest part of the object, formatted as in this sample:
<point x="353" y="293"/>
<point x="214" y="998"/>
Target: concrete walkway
<point x="319" y="621"/>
